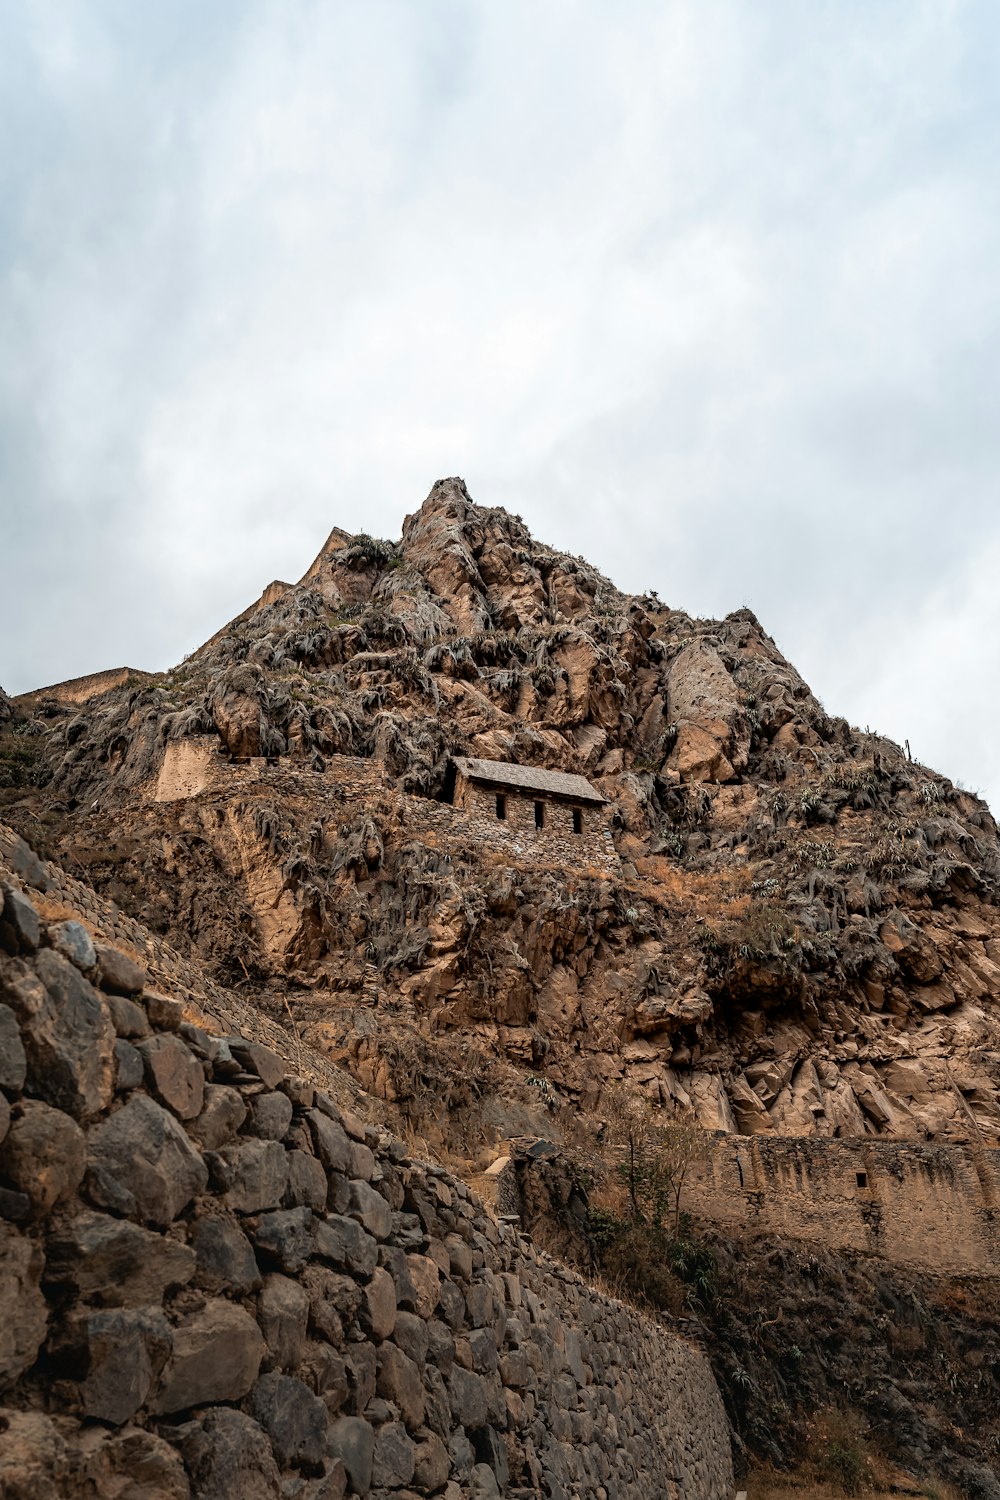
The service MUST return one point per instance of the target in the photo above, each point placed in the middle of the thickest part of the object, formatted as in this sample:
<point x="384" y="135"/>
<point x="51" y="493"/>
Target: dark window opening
<point x="447" y="792"/>
<point x="862" y="1179"/>
<point x="577" y="820"/>
<point x="501" y="806"/>
<point x="539" y="814"/>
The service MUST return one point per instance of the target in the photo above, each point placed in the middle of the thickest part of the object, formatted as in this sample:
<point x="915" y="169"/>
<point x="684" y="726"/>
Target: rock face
<point x="174" y="1324"/>
<point x="795" y="930"/>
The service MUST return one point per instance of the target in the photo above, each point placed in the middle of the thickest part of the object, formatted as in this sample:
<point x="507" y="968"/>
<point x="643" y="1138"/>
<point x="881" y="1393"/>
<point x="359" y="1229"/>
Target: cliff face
<point x="795" y="932"/>
<point x="215" y="1282"/>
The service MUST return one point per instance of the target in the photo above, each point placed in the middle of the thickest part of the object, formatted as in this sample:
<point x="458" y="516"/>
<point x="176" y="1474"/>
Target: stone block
<point x="283" y="1315"/>
<point x="222" y="1115"/>
<point x="115" y="1262"/>
<point x="175" y="1074"/>
<point x="225" y="1258"/>
<point x="270" y="1115"/>
<point x="352" y="1440"/>
<point x="67" y="1036"/>
<point x="128" y="1019"/>
<point x="398" y="1380"/>
<point x="23" y="1310"/>
<point x="306" y="1181"/>
<point x="126" y="1348"/>
<point x="228" y="1455"/>
<point x="332" y="1145"/>
<point x="394" y="1457"/>
<point x="44" y="1155"/>
<point x="74" y="942"/>
<point x="379" y="1304"/>
<point x="345" y="1243"/>
<point x="141" y="1164"/>
<point x="119" y="974"/>
<point x="293" y="1418"/>
<point x="252" y="1175"/>
<point x="20" y="929"/>
<point x="129" y="1068"/>
<point x="258" y="1059"/>
<point x="285" y="1239"/>
<point x="216" y="1357"/>
<point x="13" y="1065"/>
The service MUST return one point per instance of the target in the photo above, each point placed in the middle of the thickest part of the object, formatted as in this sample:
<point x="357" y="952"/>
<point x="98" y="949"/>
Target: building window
<point x="577" y="820"/>
<point x="862" y="1179"/>
<point x="501" y="806"/>
<point x="539" y="814"/>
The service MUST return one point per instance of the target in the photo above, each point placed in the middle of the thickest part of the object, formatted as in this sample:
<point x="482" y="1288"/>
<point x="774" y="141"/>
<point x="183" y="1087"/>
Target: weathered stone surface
<point x="379" y="1304"/>
<point x="393" y="1460"/>
<point x="399" y="1380"/>
<point x="228" y="1454"/>
<point x="20" y="929"/>
<point x="221" y="1117"/>
<point x="74" y="942"/>
<point x="25" y="862"/>
<point x="34" y="1462"/>
<point x="13" y="1065"/>
<point x="126" y="1350"/>
<point x="332" y="1145"/>
<point x="270" y="1115"/>
<point x="306" y="1181"/>
<point x="176" y="1076"/>
<point x="44" y="1155"/>
<point x="141" y="1164"/>
<point x="253" y="1175"/>
<point x="469" y="1398"/>
<point x="345" y="1243"/>
<point x="115" y="1262"/>
<point x="283" y="1313"/>
<point x="425" y="1279"/>
<point x="67" y="1036"/>
<point x="431" y="1464"/>
<point x="216" y="1356"/>
<point x="334" y="1301"/>
<point x="23" y="1311"/>
<point x="165" y="1013"/>
<point x="129" y="1068"/>
<point x="285" y="1239"/>
<point x="294" y="1419"/>
<point x="258" y="1059"/>
<point x="137" y="1465"/>
<point x="370" y="1209"/>
<point x="128" y="1019"/>
<point x="352" y="1440"/>
<point x="226" y="1260"/>
<point x="118" y="973"/>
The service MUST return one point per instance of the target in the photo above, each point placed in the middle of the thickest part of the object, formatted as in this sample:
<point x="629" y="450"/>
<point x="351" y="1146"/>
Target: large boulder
<point x="713" y="733"/>
<point x="23" y="1311"/>
<point x="67" y="1035"/>
<point x="142" y="1164"/>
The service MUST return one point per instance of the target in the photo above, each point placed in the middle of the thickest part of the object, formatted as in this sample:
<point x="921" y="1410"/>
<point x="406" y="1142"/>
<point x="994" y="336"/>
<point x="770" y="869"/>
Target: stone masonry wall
<point x="934" y="1208"/>
<point x="214" y="1283"/>
<point x="79" y="689"/>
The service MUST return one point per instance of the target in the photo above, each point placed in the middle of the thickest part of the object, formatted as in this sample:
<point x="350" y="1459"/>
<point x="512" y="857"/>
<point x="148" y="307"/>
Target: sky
<point x="707" y="291"/>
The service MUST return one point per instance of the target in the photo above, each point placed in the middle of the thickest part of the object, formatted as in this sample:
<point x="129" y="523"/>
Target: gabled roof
<point x="528" y="778"/>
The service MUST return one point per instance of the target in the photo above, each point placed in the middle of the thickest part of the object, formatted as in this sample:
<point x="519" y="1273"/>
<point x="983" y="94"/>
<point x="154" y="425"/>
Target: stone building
<point x="526" y="798"/>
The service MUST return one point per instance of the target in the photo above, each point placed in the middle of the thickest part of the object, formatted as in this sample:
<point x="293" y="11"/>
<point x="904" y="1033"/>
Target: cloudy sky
<point x="706" y="290"/>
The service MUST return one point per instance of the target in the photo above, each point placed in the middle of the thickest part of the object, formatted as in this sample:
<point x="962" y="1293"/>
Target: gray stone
<point x="325" y="1371"/>
<point x="294" y="1419"/>
<point x="410" y="1334"/>
<point x="362" y="1164"/>
<point x="34" y="1463"/>
<point x="270" y="1115"/>
<point x="115" y="1262"/>
<point x="483" y="1347"/>
<point x="221" y="1117"/>
<point x="128" y="1019"/>
<point x="332" y="1146"/>
<point x="252" y="1175"/>
<point x="370" y="1209"/>
<point x="225" y="1257"/>
<point x="118" y="973"/>
<point x="359" y="1360"/>
<point x="142" y="1466"/>
<point x="129" y="1070"/>
<point x="142" y="1165"/>
<point x="20" y="929"/>
<point x="345" y="1243"/>
<point x="398" y="1379"/>
<point x="431" y="1464"/>
<point x="306" y="1181"/>
<point x="352" y="1440"/>
<point x="394" y="1456"/>
<point x="379" y="1304"/>
<point x="286" y="1239"/>
<point x="126" y="1350"/>
<point x="4" y="1118"/>
<point x="13" y="1065"/>
<point x="332" y="1486"/>
<point x="283" y="1315"/>
<point x="23" y="1311"/>
<point x="164" y="1012"/>
<point x="67" y="1036"/>
<point x="469" y="1397"/>
<point x="216" y="1356"/>
<point x="25" y="862"/>
<point x="258" y="1059"/>
<point x="175" y="1074"/>
<point x="15" y="1207"/>
<point x="491" y="1450"/>
<point x="44" y="1155"/>
<point x="440" y="1343"/>
<point x="74" y="942"/>
<point x="229" y="1455"/>
<point x="334" y="1299"/>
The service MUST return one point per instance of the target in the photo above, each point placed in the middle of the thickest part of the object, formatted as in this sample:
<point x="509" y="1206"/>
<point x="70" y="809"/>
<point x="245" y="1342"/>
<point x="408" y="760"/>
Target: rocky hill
<point x="792" y="929"/>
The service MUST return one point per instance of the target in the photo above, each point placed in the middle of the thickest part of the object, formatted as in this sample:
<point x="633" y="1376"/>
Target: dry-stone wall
<point x="215" y="1284"/>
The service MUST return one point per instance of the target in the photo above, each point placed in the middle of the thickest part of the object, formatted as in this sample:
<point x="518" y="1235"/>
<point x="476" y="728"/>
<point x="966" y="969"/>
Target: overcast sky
<point x="706" y="290"/>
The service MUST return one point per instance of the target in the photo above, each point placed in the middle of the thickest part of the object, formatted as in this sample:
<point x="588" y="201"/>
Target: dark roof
<point x="528" y="778"/>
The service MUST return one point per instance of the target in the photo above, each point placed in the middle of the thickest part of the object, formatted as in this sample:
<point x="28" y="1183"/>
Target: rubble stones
<point x="44" y="1155"/>
<point x="225" y="1257"/>
<point x="67" y="1036"/>
<point x="118" y="973"/>
<point x="216" y="1356"/>
<point x="294" y="1419"/>
<point x="23" y="1310"/>
<point x="177" y="1078"/>
<point x="74" y="942"/>
<point x="141" y="1163"/>
<point x="116" y="1262"/>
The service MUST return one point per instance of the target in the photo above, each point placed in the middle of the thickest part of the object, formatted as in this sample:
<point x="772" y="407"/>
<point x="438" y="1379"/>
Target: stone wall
<point x="190" y="767"/>
<point x="213" y="1282"/>
<point x="515" y="838"/>
<point x="930" y="1207"/>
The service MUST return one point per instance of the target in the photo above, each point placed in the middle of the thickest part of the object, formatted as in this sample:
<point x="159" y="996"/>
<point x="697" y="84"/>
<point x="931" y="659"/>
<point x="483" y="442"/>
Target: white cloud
<point x="706" y="291"/>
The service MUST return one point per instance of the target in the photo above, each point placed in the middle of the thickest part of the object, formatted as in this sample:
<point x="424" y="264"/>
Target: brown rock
<point x="216" y="1356"/>
<point x="176" y="1076"/>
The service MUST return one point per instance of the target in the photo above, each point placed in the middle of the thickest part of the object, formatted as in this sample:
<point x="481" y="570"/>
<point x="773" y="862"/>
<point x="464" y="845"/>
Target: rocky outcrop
<point x="215" y="1282"/>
